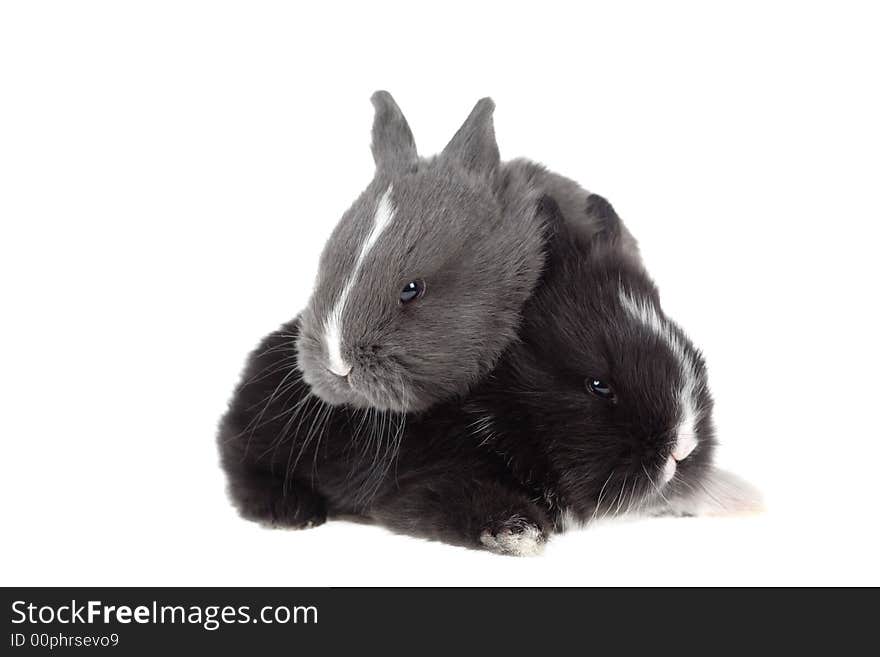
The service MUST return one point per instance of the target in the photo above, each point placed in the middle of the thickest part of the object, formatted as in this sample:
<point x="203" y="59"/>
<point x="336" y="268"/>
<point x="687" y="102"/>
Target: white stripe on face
<point x="333" y="326"/>
<point x="644" y="311"/>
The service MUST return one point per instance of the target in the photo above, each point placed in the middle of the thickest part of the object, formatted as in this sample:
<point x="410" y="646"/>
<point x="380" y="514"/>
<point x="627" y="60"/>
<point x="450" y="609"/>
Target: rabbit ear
<point x="562" y="241"/>
<point x="608" y="223"/>
<point x="548" y="213"/>
<point x="473" y="146"/>
<point x="394" y="149"/>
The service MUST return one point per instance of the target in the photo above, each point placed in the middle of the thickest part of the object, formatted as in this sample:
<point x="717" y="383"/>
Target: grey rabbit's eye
<point x="412" y="291"/>
<point x="600" y="389"/>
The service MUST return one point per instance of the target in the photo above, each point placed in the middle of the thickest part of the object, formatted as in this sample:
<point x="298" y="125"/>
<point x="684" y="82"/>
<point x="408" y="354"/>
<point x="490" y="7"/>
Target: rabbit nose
<point x="684" y="445"/>
<point x="340" y="369"/>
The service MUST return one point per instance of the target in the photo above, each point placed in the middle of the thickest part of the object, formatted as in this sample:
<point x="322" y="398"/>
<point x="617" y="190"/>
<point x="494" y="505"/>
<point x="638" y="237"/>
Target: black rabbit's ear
<point x="394" y="149"/>
<point x="473" y="146"/>
<point x="602" y="213"/>
<point x="559" y="237"/>
<point x="550" y="215"/>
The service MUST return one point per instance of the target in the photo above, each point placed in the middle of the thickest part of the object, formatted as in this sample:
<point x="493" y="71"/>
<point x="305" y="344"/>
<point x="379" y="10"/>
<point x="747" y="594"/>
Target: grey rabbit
<point x="421" y="285"/>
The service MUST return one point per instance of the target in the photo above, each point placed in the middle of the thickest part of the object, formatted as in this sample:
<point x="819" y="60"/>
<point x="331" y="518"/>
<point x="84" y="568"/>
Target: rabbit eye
<point x="412" y="291"/>
<point x="600" y="389"/>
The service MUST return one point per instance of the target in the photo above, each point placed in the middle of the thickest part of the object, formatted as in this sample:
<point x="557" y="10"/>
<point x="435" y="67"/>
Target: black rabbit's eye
<point x="600" y="389"/>
<point x="412" y="291"/>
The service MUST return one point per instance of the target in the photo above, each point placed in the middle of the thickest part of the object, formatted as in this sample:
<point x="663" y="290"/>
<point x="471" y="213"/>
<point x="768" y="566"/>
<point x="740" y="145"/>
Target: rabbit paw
<point x="299" y="510"/>
<point x="515" y="536"/>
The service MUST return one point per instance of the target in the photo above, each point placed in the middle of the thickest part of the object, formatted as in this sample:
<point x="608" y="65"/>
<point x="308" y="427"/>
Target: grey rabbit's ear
<point x="394" y="149"/>
<point x="473" y="146"/>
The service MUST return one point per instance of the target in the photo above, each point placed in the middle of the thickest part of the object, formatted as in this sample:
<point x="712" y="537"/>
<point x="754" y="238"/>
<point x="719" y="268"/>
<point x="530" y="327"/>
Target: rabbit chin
<point x="358" y="389"/>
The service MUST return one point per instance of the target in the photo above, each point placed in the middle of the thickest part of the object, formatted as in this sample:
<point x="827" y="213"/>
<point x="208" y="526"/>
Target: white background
<point x="170" y="170"/>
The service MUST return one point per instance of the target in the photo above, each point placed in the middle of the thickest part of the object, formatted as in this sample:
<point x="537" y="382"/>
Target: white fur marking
<point x="333" y="326"/>
<point x="668" y="471"/>
<point x="684" y="445"/>
<point x="333" y="337"/>
<point x="519" y="538"/>
<point x="645" y="312"/>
